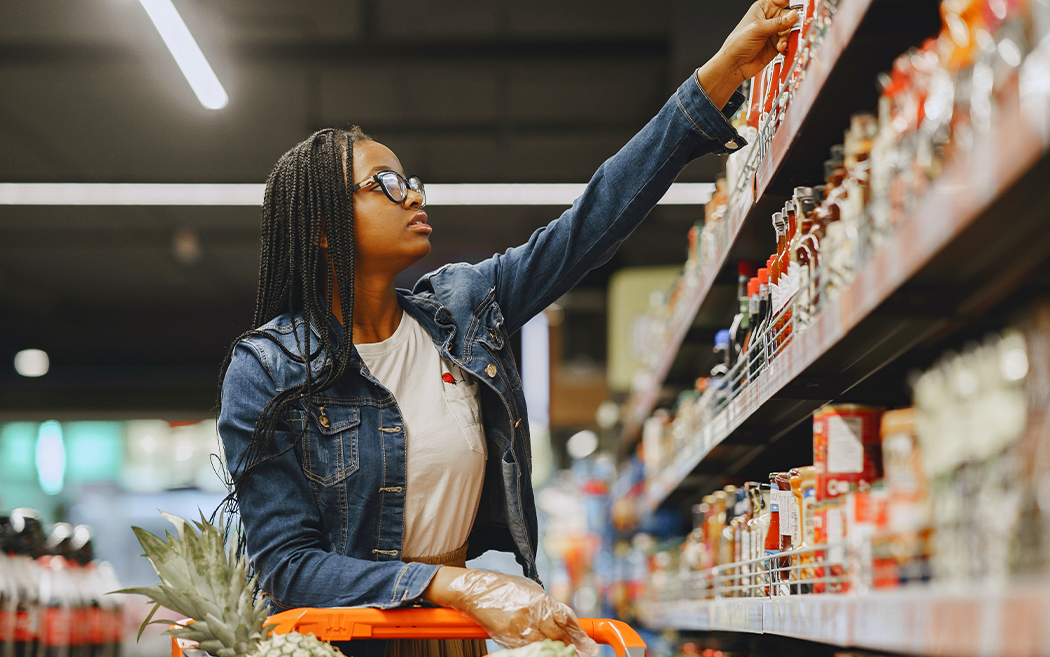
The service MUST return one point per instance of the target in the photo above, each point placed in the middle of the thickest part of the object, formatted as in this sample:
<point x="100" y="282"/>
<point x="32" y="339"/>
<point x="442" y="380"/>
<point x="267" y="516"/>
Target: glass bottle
<point x="785" y="527"/>
<point x="796" y="528"/>
<point x="738" y="329"/>
<point x="753" y="308"/>
<point x="759" y="529"/>
<point x="808" y="488"/>
<point x="772" y="542"/>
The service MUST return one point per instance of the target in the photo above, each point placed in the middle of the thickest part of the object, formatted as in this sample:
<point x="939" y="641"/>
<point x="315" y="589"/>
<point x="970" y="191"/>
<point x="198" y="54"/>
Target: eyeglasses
<point x="394" y="185"/>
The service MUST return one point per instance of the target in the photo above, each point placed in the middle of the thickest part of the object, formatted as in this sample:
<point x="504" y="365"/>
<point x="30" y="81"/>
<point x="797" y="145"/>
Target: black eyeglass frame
<point x="404" y="184"/>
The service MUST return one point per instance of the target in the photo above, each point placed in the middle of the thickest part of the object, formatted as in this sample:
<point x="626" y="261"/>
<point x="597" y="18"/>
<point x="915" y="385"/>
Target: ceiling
<point x="464" y="91"/>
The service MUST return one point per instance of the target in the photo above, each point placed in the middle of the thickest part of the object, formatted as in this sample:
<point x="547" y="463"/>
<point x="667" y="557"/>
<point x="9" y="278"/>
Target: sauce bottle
<point x="738" y="329"/>
<point x="761" y="323"/>
<point x="775" y="270"/>
<point x="753" y="308"/>
<point x="796" y="528"/>
<point x="772" y="93"/>
<point x="786" y="529"/>
<point x="809" y="497"/>
<point x="754" y="103"/>
<point x="772" y="542"/>
<point x="789" y="72"/>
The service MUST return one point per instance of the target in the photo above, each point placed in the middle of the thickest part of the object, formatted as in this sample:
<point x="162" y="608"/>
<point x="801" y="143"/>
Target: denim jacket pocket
<point x="330" y="445"/>
<point x="491" y="332"/>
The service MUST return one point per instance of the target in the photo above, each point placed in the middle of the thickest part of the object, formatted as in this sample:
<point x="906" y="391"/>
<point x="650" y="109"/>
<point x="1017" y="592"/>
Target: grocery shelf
<point x="971" y="240"/>
<point x="812" y="103"/>
<point x="972" y="621"/>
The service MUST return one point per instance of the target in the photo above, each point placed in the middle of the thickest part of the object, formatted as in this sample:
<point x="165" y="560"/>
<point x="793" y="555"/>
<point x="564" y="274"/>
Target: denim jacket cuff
<point x="412" y="581"/>
<point x="707" y="119"/>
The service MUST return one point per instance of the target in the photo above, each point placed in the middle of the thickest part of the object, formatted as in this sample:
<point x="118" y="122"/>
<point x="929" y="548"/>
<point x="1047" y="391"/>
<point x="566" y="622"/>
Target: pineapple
<point x="203" y="581"/>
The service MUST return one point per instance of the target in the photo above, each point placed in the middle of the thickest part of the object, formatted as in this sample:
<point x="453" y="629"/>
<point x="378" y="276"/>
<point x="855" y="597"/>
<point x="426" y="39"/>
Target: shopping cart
<point x="348" y="624"/>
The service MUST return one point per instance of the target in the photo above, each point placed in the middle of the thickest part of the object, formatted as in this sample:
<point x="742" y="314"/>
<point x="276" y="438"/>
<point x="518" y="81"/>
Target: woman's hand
<point x="514" y="611"/>
<point x="755" y="41"/>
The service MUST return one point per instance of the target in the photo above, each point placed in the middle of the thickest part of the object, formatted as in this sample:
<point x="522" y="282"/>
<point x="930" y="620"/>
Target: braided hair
<point x="305" y="194"/>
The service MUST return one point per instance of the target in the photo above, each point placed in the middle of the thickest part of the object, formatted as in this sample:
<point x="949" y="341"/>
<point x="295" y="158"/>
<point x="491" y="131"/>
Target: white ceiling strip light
<point x="187" y="53"/>
<point x="252" y="194"/>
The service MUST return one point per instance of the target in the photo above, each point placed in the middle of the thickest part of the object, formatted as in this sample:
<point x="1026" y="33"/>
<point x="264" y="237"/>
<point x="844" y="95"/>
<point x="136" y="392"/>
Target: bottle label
<point x="836" y="535"/>
<point x="57" y="626"/>
<point x="794" y="277"/>
<point x="25" y="627"/>
<point x="845" y="450"/>
<point x="808" y="520"/>
<point x="787" y="513"/>
<point x="753" y="305"/>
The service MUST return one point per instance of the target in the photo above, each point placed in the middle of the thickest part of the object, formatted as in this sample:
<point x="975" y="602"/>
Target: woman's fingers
<point x="780" y="25"/>
<point x="585" y="645"/>
<point x="553" y="631"/>
<point x="771" y="8"/>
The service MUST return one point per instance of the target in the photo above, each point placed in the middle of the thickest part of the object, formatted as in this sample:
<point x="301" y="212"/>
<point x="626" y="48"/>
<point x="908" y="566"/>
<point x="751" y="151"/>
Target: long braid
<point x="307" y="187"/>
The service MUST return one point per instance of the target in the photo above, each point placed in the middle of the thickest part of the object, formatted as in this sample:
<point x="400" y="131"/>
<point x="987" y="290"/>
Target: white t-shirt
<point x="446" y="443"/>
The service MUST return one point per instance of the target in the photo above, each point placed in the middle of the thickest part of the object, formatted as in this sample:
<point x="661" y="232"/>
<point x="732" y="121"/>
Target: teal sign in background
<point x="94" y="452"/>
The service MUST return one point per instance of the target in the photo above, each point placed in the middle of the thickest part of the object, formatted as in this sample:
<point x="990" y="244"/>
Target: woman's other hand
<point x="514" y="611"/>
<point x="752" y="44"/>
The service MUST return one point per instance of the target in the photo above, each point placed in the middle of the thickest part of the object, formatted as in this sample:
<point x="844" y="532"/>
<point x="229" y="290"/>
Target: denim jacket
<point x="325" y="520"/>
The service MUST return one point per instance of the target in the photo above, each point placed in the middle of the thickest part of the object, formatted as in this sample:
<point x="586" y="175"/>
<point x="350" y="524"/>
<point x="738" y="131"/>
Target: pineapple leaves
<point x="222" y="631"/>
<point x="146" y="622"/>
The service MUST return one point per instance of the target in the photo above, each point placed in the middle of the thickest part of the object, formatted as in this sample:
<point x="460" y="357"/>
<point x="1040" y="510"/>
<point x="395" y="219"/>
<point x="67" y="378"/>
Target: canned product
<point x="847" y="449"/>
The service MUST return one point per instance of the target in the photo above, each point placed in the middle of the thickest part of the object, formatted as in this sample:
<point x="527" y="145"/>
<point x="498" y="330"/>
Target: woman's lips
<point x="419" y="224"/>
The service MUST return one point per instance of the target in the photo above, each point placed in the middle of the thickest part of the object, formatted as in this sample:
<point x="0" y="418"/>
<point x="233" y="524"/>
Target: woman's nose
<point x="413" y="199"/>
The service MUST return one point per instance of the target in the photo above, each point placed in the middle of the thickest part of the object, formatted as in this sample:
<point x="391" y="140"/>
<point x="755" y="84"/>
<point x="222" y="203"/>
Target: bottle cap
<point x="777" y="218"/>
<point x="722" y="339"/>
<point x="746" y="268"/>
<point x="752" y="287"/>
<point x="763" y="276"/>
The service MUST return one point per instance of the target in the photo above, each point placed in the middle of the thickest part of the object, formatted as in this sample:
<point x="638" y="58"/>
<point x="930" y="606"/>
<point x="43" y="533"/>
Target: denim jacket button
<point x="732" y="145"/>
<point x="490" y="369"/>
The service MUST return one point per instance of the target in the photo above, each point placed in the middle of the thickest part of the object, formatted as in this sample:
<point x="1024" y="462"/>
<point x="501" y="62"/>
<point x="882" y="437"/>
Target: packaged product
<point x="847" y="450"/>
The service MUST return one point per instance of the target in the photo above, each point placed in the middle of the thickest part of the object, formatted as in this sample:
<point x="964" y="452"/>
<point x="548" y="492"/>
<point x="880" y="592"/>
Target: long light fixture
<point x="187" y="53"/>
<point x="252" y="194"/>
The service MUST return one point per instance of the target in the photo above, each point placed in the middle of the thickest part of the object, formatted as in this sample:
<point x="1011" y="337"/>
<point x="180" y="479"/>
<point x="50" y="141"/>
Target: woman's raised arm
<point x="692" y="123"/>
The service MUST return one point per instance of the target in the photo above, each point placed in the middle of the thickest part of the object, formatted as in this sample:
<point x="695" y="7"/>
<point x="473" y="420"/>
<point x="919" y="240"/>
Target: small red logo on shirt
<point x="448" y="378"/>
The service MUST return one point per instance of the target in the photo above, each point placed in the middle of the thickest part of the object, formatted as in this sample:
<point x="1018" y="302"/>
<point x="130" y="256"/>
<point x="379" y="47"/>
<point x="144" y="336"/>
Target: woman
<point x="377" y="437"/>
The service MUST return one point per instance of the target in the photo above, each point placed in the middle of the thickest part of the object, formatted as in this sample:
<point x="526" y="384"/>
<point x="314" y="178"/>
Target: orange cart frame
<point x="342" y="624"/>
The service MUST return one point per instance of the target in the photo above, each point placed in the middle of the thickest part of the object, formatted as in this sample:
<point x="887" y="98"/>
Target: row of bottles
<point x="770" y="93"/>
<point x="825" y="233"/>
<point x="53" y="600"/>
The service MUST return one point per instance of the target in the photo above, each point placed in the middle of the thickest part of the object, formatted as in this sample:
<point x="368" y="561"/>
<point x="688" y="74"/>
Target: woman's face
<point x="389" y="236"/>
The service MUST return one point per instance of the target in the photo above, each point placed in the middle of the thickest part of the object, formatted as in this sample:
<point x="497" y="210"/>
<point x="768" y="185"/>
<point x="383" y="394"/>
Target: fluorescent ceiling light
<point x="187" y="53"/>
<point x="32" y="362"/>
<point x="252" y="194"/>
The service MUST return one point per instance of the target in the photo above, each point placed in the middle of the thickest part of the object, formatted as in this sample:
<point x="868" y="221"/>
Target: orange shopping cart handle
<point x="342" y="624"/>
